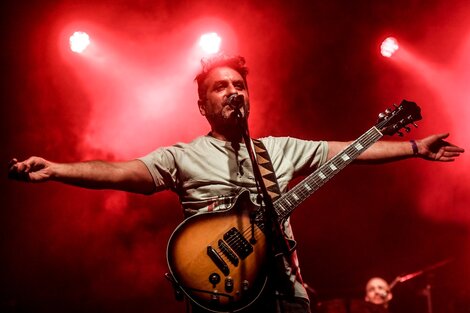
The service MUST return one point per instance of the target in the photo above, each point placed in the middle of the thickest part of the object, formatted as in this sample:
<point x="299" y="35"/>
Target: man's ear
<point x="202" y="109"/>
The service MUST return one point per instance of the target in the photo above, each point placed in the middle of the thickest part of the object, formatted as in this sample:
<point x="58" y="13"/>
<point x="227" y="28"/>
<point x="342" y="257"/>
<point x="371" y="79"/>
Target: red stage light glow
<point x="79" y="41"/>
<point x="388" y="47"/>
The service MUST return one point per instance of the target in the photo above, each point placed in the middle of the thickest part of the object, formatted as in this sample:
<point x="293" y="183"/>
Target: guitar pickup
<point x="238" y="243"/>
<point x="217" y="259"/>
<point x="228" y="253"/>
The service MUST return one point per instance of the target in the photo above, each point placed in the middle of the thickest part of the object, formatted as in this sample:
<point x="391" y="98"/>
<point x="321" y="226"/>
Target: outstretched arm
<point x="433" y="148"/>
<point x="132" y="176"/>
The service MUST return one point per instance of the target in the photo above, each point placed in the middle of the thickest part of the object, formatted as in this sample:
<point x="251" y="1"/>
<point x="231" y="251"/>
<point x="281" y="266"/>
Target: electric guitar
<point x="218" y="259"/>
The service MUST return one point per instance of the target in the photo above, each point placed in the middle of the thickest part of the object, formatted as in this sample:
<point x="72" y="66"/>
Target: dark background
<point x="315" y="72"/>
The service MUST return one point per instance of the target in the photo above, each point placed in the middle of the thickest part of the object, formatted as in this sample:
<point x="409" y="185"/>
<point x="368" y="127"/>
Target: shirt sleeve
<point x="162" y="166"/>
<point x="303" y="156"/>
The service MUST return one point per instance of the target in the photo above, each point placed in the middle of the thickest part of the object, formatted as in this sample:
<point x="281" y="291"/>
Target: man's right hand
<point x="34" y="169"/>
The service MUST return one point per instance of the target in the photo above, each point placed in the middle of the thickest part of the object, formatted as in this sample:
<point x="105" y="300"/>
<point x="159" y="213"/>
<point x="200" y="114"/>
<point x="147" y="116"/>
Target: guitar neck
<point x="294" y="197"/>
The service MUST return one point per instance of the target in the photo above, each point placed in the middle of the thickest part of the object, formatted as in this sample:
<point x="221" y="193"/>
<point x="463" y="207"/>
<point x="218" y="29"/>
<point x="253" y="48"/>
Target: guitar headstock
<point x="392" y="121"/>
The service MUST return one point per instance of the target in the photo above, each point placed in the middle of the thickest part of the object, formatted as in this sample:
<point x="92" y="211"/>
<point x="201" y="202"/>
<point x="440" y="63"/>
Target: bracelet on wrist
<point x="414" y="146"/>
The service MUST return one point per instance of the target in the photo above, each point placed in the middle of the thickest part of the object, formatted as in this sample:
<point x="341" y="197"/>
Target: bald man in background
<point x="377" y="297"/>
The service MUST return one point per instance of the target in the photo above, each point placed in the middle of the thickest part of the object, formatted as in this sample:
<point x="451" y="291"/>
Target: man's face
<point x="378" y="291"/>
<point x="220" y="83"/>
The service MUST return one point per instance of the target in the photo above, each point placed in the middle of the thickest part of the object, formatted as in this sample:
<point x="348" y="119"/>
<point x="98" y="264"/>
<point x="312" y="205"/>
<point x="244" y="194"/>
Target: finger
<point x="451" y="154"/>
<point x="16" y="174"/>
<point x="32" y="162"/>
<point x="454" y="148"/>
<point x="12" y="170"/>
<point x="447" y="160"/>
<point x="21" y="167"/>
<point x="443" y="135"/>
<point x="439" y="154"/>
<point x="448" y="156"/>
<point x="28" y="164"/>
<point x="12" y="162"/>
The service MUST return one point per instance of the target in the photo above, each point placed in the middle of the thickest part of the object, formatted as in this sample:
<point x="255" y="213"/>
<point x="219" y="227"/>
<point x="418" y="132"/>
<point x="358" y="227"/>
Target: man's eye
<point x="240" y="86"/>
<point x="219" y="87"/>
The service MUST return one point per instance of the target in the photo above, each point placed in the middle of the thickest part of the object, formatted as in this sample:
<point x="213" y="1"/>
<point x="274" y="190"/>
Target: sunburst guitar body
<point x="218" y="258"/>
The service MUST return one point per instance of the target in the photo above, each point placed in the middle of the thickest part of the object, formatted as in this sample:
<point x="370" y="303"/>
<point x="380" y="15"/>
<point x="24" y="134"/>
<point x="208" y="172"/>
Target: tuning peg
<point x="388" y="111"/>
<point x="395" y="105"/>
<point x="415" y="125"/>
<point x="381" y="115"/>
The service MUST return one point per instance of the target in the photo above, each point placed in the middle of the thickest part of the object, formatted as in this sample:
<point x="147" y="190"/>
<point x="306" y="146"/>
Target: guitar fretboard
<point x="290" y="200"/>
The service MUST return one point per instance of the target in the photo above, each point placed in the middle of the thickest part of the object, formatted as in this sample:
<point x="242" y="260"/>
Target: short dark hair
<point x="219" y="60"/>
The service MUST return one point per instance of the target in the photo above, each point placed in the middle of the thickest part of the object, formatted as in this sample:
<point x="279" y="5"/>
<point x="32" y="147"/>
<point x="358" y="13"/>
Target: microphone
<point x="383" y="293"/>
<point x="236" y="101"/>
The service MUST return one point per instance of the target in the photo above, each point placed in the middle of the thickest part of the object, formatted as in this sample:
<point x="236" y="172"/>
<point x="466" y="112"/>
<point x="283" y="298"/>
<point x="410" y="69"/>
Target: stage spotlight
<point x="388" y="47"/>
<point x="79" y="41"/>
<point x="210" y="43"/>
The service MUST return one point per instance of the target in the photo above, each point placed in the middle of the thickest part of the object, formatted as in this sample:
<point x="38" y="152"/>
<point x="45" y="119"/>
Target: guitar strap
<point x="269" y="177"/>
<point x="266" y="169"/>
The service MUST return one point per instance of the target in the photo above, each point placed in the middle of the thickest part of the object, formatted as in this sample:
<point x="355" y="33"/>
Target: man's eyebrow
<point x="218" y="82"/>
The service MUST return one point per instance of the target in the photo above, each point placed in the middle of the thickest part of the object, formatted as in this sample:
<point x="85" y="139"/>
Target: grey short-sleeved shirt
<point x="208" y="168"/>
<point x="207" y="173"/>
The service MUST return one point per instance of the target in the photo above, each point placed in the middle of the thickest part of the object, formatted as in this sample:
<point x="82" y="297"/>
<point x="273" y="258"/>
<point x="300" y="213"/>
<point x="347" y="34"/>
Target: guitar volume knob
<point x="214" y="279"/>
<point x="229" y="284"/>
<point x="245" y="285"/>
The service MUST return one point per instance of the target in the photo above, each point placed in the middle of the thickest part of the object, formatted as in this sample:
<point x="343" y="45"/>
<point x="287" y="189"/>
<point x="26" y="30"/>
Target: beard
<point x="225" y="121"/>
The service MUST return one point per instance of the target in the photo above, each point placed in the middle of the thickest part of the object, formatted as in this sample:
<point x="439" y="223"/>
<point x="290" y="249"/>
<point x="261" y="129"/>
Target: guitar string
<point x="339" y="163"/>
<point x="237" y="241"/>
<point x="315" y="182"/>
<point x="368" y="138"/>
<point x="303" y="192"/>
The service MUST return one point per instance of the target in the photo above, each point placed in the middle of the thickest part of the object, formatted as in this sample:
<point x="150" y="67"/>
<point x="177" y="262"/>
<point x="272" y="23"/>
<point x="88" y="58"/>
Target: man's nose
<point x="231" y="89"/>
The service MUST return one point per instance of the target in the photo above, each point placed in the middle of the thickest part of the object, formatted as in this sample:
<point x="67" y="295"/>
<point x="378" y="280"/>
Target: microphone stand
<point x="427" y="293"/>
<point x="272" y="226"/>
<point x="427" y="290"/>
